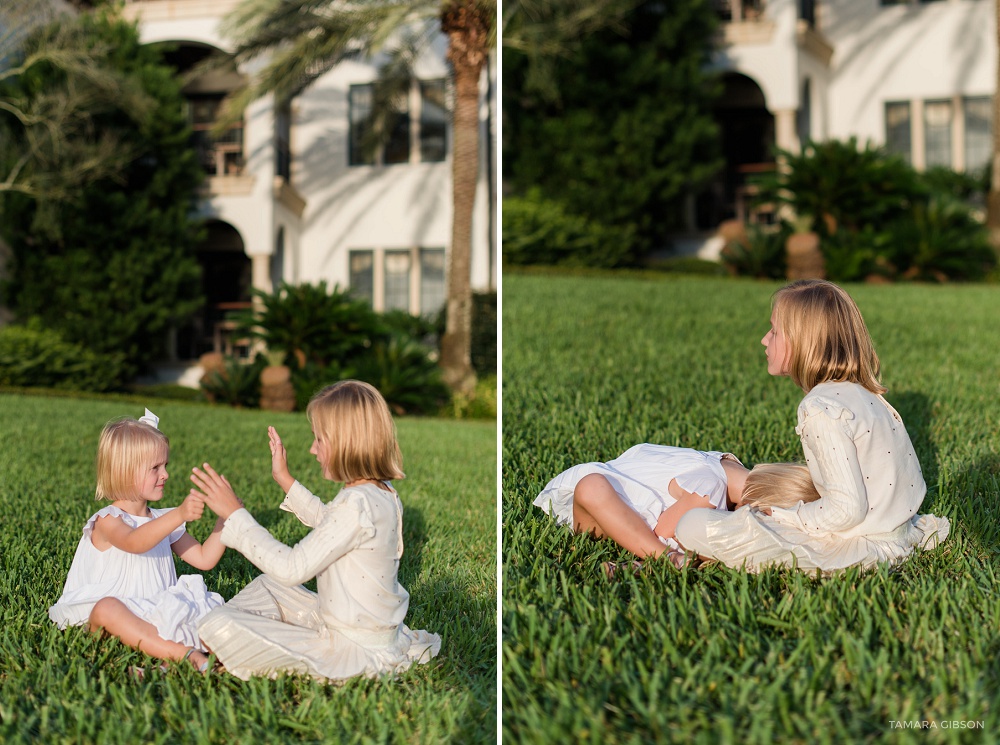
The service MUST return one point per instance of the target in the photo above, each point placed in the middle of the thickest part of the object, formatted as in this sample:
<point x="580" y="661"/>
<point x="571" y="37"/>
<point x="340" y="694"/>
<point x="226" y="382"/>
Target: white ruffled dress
<point x="641" y="476"/>
<point x="353" y="626"/>
<point x="867" y="473"/>
<point x="146" y="583"/>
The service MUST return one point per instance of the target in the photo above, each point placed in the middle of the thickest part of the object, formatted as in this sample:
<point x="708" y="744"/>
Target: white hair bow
<point x="151" y="419"/>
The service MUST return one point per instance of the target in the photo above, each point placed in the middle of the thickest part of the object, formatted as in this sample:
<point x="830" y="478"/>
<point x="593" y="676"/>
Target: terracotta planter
<point x="276" y="390"/>
<point x="804" y="259"/>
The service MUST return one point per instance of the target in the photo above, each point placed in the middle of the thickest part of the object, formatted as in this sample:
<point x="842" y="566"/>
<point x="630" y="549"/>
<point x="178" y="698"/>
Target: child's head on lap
<point x="826" y="337"/>
<point x="126" y="450"/>
<point x="355" y="434"/>
<point x="778" y="485"/>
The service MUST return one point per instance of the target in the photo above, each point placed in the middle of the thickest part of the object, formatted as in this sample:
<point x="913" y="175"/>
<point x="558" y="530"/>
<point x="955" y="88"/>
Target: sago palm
<point x="302" y="39"/>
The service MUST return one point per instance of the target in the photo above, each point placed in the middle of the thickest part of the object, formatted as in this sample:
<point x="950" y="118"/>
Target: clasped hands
<point x="215" y="491"/>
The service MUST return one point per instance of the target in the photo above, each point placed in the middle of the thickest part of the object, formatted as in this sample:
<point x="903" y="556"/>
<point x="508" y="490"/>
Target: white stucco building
<point x="291" y="198"/>
<point x="917" y="76"/>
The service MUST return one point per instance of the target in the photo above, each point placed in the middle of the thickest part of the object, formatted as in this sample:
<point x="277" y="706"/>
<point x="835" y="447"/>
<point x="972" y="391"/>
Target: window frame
<point x="412" y="121"/>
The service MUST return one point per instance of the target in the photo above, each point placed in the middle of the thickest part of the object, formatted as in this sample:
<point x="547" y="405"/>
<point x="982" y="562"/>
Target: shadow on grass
<point x="414" y="538"/>
<point x="917" y="413"/>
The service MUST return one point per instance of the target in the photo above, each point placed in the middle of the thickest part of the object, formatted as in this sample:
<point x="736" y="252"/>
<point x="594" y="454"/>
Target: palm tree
<point x="302" y="39"/>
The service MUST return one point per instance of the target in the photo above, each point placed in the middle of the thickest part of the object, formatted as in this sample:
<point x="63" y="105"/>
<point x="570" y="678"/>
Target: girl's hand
<point x="279" y="460"/>
<point x="192" y="508"/>
<point x="216" y="491"/>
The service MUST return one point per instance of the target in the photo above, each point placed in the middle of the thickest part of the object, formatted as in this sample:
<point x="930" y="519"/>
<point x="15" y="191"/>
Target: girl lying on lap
<point x="638" y="498"/>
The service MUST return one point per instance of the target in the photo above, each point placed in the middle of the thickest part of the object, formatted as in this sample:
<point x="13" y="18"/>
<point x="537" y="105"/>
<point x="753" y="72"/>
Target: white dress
<point x="146" y="583"/>
<point x="353" y="625"/>
<point x="871" y="487"/>
<point x="641" y="476"/>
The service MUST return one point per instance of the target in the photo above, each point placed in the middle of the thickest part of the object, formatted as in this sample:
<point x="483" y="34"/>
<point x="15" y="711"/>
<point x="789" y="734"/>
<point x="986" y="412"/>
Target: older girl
<point x="354" y="624"/>
<point x="856" y="447"/>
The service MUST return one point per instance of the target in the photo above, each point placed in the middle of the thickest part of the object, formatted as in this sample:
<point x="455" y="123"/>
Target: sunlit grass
<point x="70" y="687"/>
<point x="593" y="365"/>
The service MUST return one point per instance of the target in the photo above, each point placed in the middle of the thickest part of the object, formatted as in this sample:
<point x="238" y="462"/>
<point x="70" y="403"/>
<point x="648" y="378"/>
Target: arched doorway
<point x="225" y="283"/>
<point x="748" y="140"/>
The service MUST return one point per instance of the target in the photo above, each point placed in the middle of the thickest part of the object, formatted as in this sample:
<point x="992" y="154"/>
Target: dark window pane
<point x="397" y="280"/>
<point x="978" y="133"/>
<point x="397" y="150"/>
<point x="432" y="286"/>
<point x="360" y="107"/>
<point x="897" y="129"/>
<point x="362" y="266"/>
<point x="433" y="121"/>
<point x="937" y="133"/>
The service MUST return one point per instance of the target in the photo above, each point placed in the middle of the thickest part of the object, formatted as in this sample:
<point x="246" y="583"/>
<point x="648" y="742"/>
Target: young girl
<point x="354" y="624"/>
<point x="856" y="447"/>
<point x="638" y="498"/>
<point x="122" y="579"/>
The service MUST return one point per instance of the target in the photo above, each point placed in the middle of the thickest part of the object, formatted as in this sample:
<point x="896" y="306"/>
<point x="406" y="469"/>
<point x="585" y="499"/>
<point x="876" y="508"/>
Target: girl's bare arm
<point x="112" y="531"/>
<point x="205" y="555"/>
<point x="666" y="525"/>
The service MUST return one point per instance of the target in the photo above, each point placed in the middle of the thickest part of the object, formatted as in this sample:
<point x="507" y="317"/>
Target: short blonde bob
<point x="778" y="485"/>
<point x="352" y="418"/>
<point x="127" y="447"/>
<point x="826" y="336"/>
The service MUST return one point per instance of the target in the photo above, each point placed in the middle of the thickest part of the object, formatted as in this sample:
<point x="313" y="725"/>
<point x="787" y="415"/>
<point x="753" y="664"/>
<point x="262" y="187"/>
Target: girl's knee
<point x="104" y="610"/>
<point x="591" y="487"/>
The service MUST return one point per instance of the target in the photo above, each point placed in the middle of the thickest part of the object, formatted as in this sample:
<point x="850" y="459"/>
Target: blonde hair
<point x="778" y="485"/>
<point x="354" y="421"/>
<point x="126" y="448"/>
<point x="826" y="336"/>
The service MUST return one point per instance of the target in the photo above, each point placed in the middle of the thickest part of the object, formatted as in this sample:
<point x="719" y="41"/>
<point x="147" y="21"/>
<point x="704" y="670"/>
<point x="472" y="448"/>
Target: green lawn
<point x="69" y="687"/>
<point x="593" y="365"/>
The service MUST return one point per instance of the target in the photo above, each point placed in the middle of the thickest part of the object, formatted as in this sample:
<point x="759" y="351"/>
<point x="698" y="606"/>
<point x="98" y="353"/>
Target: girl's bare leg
<point x="114" y="617"/>
<point x="597" y="509"/>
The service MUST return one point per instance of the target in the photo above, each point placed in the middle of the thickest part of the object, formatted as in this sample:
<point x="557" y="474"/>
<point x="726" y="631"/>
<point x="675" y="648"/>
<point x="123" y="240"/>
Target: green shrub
<point x="308" y="380"/>
<point x="405" y="375"/>
<point x="33" y="356"/>
<point x="313" y="324"/>
<point x="327" y="335"/>
<point x="540" y="231"/>
<point x="836" y="185"/>
<point x="763" y="254"/>
<point x="876" y="216"/>
<point x="941" y="240"/>
<point x="238" y="385"/>
<point x="482" y="404"/>
<point x="854" y="256"/>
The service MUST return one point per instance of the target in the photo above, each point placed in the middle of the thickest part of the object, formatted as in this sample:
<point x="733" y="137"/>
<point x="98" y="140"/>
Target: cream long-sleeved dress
<point x="871" y="487"/>
<point x="353" y="625"/>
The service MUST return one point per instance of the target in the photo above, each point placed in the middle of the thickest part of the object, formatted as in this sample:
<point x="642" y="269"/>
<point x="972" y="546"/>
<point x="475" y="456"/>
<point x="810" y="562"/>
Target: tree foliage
<point x="113" y="268"/>
<point x="49" y="144"/>
<point x="631" y="133"/>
